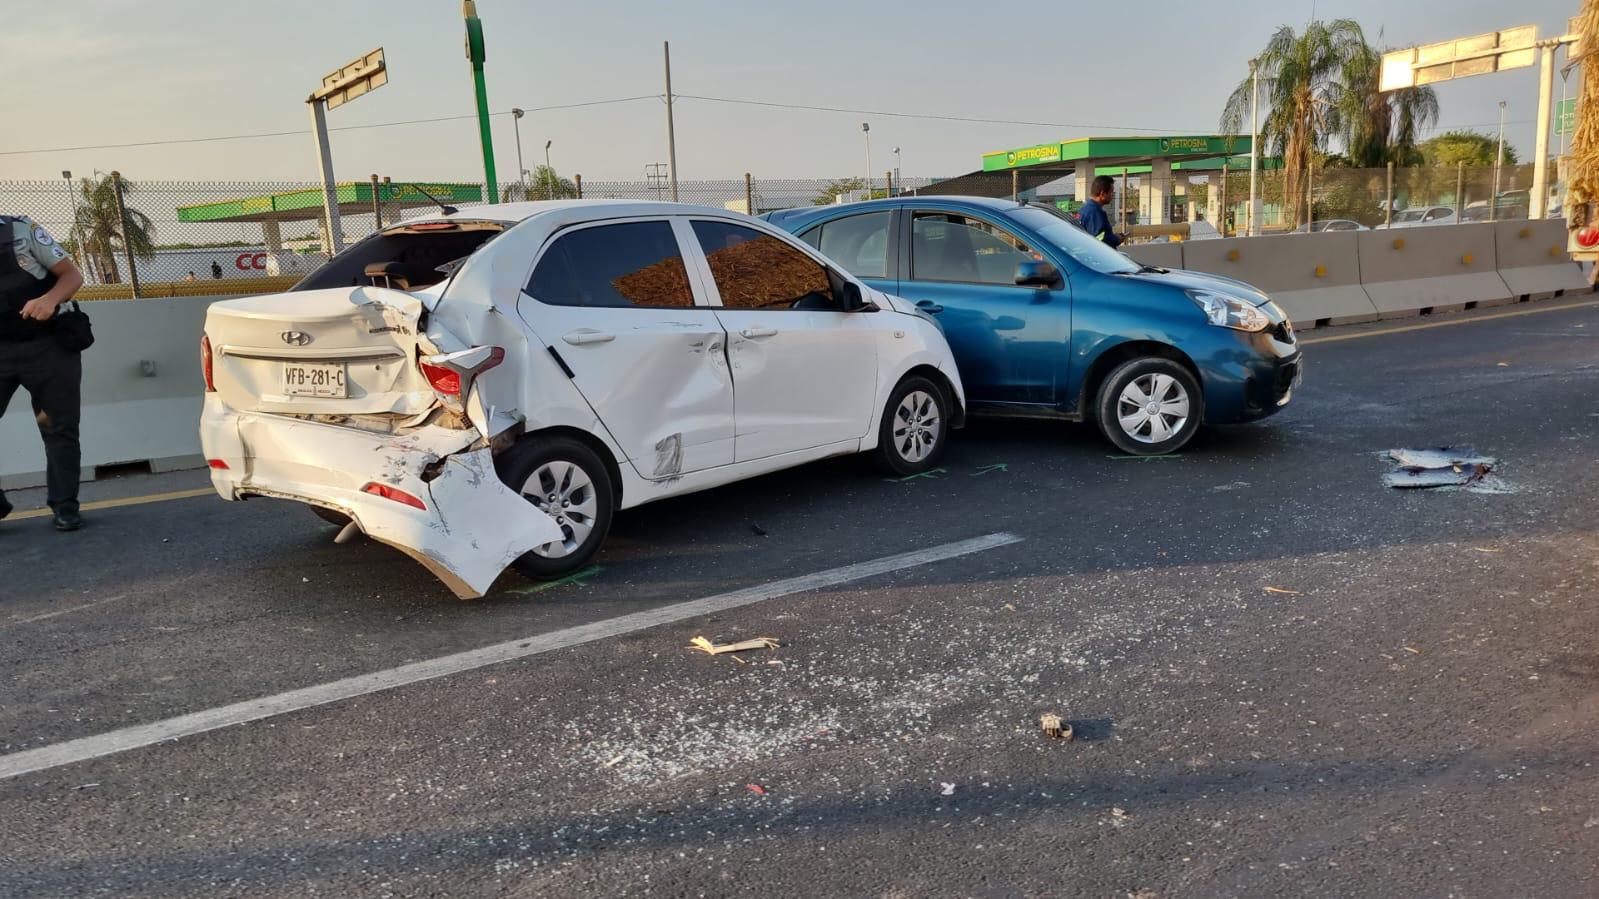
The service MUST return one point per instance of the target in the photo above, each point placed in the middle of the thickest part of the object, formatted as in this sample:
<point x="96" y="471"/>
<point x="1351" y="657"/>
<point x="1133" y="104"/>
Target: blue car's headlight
<point x="1229" y="312"/>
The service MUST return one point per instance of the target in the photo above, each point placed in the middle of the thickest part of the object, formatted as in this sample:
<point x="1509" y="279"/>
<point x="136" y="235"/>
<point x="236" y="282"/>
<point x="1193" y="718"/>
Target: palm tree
<point x="1380" y="128"/>
<point x="1303" y="92"/>
<point x="97" y="234"/>
<point x="545" y="184"/>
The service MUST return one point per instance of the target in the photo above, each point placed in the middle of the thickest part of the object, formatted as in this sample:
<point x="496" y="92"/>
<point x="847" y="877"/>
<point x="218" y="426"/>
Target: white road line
<point x="86" y="748"/>
<point x="47" y="615"/>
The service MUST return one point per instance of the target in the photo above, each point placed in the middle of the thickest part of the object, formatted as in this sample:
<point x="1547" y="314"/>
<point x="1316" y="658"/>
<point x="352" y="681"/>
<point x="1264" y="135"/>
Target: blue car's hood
<point x="1186" y="280"/>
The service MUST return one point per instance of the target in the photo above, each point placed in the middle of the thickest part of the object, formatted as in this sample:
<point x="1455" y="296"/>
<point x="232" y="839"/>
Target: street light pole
<point x="866" y="131"/>
<point x="1254" y="147"/>
<point x="896" y="167"/>
<point x="516" y="122"/>
<point x="1499" y="158"/>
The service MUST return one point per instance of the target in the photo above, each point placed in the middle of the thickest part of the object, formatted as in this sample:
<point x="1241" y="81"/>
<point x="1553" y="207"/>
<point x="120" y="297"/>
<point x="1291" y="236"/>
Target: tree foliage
<point x="543" y="184"/>
<point x="100" y="237"/>
<point x="1470" y="148"/>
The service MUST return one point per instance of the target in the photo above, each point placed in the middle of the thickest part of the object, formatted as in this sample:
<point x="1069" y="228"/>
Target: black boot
<point x="68" y="520"/>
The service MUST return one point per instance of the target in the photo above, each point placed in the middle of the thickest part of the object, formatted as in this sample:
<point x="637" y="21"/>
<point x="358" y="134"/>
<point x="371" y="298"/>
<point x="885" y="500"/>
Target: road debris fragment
<point x="1284" y="590"/>
<point x="1056" y="728"/>
<point x="757" y="789"/>
<point x="1118" y="813"/>
<point x="945" y="789"/>
<point x="1442" y="467"/>
<point x="1486" y="549"/>
<point x="717" y="649"/>
<point x="757" y="530"/>
<point x="1411" y="649"/>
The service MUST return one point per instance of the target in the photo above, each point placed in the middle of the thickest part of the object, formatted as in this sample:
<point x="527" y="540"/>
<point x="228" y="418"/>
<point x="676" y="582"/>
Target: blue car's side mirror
<point x="1037" y="273"/>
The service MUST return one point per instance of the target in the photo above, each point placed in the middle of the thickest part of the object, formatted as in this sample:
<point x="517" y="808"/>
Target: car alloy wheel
<point x="565" y="492"/>
<point x="1152" y="408"/>
<point x="917" y="426"/>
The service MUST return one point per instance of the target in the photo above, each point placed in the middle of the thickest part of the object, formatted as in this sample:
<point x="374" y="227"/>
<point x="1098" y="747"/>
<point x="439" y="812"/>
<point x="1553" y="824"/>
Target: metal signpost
<point x="476" y="54"/>
<point x="340" y="86"/>
<point x="1483" y="54"/>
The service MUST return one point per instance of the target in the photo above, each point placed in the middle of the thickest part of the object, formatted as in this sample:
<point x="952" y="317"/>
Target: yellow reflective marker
<point x="118" y="503"/>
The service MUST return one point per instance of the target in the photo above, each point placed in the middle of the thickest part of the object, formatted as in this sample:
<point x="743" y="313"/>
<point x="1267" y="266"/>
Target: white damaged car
<point x="485" y="388"/>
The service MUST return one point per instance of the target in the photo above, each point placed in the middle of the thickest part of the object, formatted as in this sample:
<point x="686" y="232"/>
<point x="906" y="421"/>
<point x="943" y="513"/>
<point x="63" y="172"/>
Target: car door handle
<point x="929" y="306"/>
<point x="584" y="336"/>
<point x="753" y="333"/>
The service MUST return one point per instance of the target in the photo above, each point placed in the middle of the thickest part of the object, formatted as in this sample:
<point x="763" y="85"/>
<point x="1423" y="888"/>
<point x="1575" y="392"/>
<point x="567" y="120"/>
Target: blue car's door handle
<point x="929" y="306"/>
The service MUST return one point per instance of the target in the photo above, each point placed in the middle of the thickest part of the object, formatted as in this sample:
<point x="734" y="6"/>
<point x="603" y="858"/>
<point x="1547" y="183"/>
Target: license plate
<point x="314" y="379"/>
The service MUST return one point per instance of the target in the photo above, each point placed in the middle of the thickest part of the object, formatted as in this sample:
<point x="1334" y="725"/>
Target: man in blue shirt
<point x="1092" y="216"/>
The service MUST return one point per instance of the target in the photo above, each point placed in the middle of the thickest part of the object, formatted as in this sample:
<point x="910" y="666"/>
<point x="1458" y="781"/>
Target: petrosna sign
<point x="1185" y="145"/>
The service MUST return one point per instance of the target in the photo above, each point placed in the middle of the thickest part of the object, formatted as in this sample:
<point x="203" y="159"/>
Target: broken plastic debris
<point x="757" y="789"/>
<point x="1118" y="813"/>
<point x="1443" y="467"/>
<point x="1411" y="649"/>
<point x="717" y="649"/>
<point x="1055" y="727"/>
<point x="945" y="789"/>
<point x="1283" y="590"/>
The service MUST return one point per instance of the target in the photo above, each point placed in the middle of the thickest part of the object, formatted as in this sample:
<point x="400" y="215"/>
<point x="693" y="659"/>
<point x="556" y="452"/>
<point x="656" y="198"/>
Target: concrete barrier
<point x="1315" y="278"/>
<point x="141" y="393"/>
<point x="1162" y="255"/>
<point x="1438" y="268"/>
<point x="1533" y="259"/>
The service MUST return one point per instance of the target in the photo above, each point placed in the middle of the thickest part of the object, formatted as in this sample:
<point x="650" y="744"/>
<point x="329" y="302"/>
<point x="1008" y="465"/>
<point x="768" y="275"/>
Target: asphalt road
<point x="1412" y="710"/>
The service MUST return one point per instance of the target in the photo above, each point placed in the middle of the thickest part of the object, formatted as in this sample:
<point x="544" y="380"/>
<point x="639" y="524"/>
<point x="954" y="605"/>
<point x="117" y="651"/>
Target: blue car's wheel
<point x="1150" y="406"/>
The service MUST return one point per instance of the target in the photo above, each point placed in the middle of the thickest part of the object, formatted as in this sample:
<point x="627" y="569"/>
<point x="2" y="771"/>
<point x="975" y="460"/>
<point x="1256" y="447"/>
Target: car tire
<point x="584" y="500"/>
<point x="915" y="425"/>
<point x="1150" y="406"/>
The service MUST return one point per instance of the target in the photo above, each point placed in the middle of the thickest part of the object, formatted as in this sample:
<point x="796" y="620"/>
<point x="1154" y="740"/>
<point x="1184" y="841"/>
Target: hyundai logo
<point x="295" y="338"/>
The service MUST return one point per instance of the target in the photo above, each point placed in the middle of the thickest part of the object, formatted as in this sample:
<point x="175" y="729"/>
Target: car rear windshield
<point x="1073" y="240"/>
<point x="411" y="256"/>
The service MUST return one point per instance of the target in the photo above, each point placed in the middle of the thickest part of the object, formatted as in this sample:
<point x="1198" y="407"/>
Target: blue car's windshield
<point x="1074" y="241"/>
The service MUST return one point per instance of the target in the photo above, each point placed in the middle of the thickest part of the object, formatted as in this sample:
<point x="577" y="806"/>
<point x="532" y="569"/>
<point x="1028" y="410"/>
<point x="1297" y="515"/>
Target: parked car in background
<point x="1047" y="322"/>
<point x="486" y="388"/>
<point x="1417" y="216"/>
<point x="1330" y="225"/>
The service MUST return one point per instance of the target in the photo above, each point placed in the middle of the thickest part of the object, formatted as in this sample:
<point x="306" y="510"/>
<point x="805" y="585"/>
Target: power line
<point x="268" y="134"/>
<point x="925" y="115"/>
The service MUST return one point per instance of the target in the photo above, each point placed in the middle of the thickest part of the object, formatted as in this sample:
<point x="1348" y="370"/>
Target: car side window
<point x="947" y="246"/>
<point x="858" y="242"/>
<point x="754" y="270"/>
<point x="626" y="264"/>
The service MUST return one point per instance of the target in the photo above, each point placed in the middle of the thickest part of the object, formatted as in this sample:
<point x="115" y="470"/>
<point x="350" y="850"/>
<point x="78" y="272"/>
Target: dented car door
<point x="616" y="307"/>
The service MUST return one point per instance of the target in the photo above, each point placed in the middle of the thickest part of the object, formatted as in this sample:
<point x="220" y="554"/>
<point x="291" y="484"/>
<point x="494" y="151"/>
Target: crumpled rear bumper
<point x="472" y="529"/>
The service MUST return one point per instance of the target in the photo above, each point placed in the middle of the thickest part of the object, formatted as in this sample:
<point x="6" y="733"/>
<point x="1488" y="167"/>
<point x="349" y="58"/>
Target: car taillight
<point x="443" y="379"/>
<point x="205" y="363"/>
<point x="446" y="379"/>
<point x="217" y="464"/>
<point x="394" y="493"/>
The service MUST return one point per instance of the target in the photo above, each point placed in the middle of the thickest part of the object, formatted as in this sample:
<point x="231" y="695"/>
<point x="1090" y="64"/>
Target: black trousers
<point x="52" y="376"/>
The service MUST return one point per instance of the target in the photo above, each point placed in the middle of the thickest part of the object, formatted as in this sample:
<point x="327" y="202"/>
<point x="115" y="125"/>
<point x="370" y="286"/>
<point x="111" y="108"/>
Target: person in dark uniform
<point x="36" y="278"/>
<point x="1092" y="214"/>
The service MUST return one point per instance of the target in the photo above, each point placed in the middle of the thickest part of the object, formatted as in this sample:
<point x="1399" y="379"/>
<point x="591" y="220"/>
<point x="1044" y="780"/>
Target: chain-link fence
<point x="149" y="238"/>
<point x="173" y="238"/>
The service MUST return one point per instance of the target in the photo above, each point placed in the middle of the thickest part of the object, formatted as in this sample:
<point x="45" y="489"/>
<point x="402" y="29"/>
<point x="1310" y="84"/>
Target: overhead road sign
<point x="1480" y="54"/>
<point x="352" y="80"/>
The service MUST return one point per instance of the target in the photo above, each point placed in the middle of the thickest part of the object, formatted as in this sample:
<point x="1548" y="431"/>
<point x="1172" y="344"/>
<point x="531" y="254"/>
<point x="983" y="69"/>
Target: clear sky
<point x="96" y="72"/>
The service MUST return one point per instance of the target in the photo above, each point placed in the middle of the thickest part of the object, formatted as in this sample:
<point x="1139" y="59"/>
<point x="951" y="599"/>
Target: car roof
<point x="512" y="213"/>
<point x="799" y="215"/>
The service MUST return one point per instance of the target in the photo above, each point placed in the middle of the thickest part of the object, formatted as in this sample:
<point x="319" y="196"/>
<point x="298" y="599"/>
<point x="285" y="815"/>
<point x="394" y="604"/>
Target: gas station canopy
<point x="1111" y="155"/>
<point x="355" y="198"/>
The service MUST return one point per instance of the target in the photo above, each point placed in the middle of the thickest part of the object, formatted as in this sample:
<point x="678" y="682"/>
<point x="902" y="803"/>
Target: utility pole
<point x="1254" y="147"/>
<point x="866" y="131"/>
<point x="516" y="122"/>
<point x="671" y="133"/>
<point x="1540" y="160"/>
<point x="1499" y="158"/>
<point x="476" y="54"/>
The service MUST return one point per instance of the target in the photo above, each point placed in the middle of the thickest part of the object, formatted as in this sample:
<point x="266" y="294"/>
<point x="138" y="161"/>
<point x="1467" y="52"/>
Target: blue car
<point x="1047" y="322"/>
